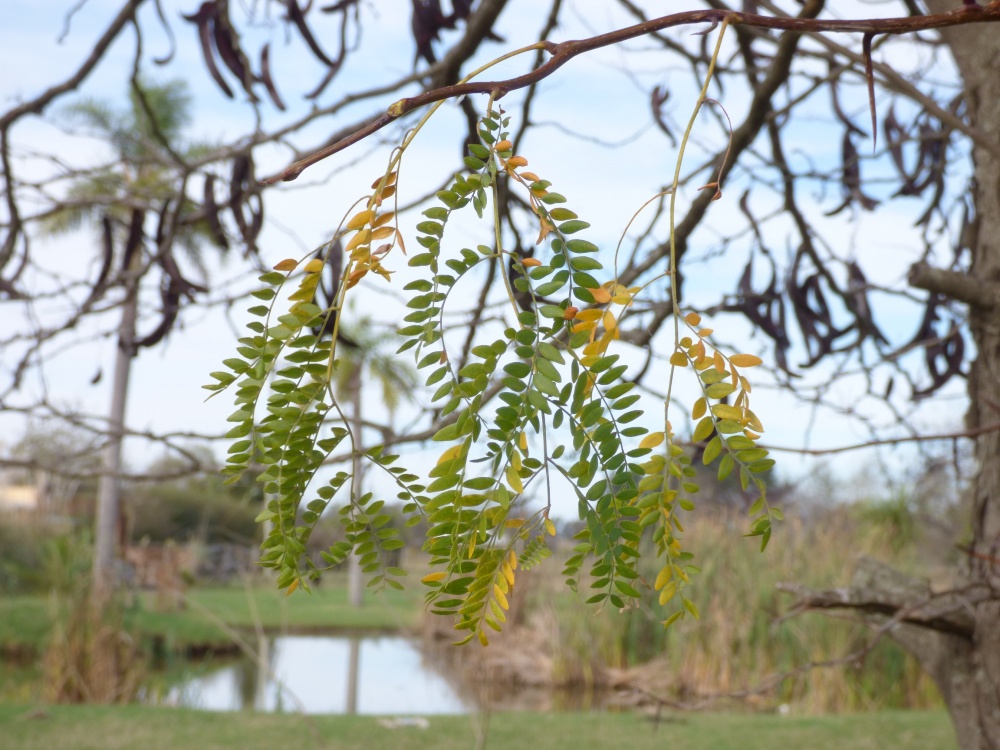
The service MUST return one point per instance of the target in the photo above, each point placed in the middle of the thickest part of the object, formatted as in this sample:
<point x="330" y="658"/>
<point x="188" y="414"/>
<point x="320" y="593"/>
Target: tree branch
<point x="36" y="105"/>
<point x="955" y="285"/>
<point x="877" y="589"/>
<point x="563" y="52"/>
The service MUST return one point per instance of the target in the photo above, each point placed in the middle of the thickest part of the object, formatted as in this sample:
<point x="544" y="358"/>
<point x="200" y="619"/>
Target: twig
<point x="563" y="52"/>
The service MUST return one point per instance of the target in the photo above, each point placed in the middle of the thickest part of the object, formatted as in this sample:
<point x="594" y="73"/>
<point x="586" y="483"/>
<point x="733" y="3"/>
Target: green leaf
<point x="585" y="263"/>
<point x="726" y="466"/>
<point x="712" y="450"/>
<point x="703" y="429"/>
<point x="573" y="226"/>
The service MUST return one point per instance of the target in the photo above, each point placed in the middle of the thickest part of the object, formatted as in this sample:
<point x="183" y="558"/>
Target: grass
<point x="25" y="619"/>
<point x="105" y="728"/>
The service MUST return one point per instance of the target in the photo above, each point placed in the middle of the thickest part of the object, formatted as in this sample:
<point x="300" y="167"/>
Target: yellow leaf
<point x="545" y="228"/>
<point x="592" y="315"/>
<point x="355" y="277"/>
<point x="652" y="440"/>
<point x="499" y="596"/>
<point x="291" y="588"/>
<point x="512" y="559"/>
<point x="382" y="232"/>
<point x="359" y="220"/>
<point x="677" y="359"/>
<point x="314" y="266"/>
<point x="601" y="295"/>
<point x="704" y="428"/>
<point x="665" y="574"/>
<point x="693" y="318"/>
<point x="530" y="262"/>
<point x="522" y="441"/>
<point x="549" y="527"/>
<point x="363" y="237"/>
<point x="668" y="592"/>
<point x="689" y="606"/>
<point x="483" y="639"/>
<point x="700" y="406"/>
<point x="504" y="145"/>
<point x="452" y="453"/>
<point x="517" y="161"/>
<point x="383" y="219"/>
<point x="529" y="176"/>
<point x="514" y="523"/>
<point x="673" y="618"/>
<point x="609" y="321"/>
<point x="387" y="192"/>
<point x="705" y="332"/>
<point x="508" y="572"/>
<point x="388" y="180"/>
<point x="720" y="362"/>
<point x="515" y="460"/>
<point x="514" y="480"/>
<point x="437" y="575"/>
<point x="745" y="360"/>
<point x="286" y="265"/>
<point x="725" y="411"/>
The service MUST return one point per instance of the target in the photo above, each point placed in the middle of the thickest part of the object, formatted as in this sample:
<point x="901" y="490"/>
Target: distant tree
<point x="147" y="141"/>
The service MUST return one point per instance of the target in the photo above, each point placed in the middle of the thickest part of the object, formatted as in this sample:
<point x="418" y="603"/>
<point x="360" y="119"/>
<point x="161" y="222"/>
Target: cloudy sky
<point x="601" y="97"/>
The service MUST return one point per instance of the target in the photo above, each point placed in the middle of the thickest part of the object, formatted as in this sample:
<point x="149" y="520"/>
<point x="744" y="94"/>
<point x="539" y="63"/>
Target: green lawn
<point x="24" y="619"/>
<point x="104" y="728"/>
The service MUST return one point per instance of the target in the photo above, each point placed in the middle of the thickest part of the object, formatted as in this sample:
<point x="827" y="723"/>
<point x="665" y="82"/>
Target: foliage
<point x="191" y="507"/>
<point x="560" y="385"/>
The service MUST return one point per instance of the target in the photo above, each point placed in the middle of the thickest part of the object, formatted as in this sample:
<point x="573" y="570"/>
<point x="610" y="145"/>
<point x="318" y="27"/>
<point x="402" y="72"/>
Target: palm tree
<point x="148" y="148"/>
<point x="370" y="356"/>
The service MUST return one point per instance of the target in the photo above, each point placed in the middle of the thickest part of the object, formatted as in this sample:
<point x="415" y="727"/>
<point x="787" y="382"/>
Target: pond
<point x="324" y="674"/>
<point x="355" y="674"/>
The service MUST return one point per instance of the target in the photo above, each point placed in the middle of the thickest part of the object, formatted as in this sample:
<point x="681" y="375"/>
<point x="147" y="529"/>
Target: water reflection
<point x="326" y="674"/>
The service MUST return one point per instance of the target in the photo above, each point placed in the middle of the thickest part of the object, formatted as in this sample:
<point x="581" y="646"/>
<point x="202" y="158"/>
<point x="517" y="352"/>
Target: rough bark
<point x="956" y="635"/>
<point x="977" y="712"/>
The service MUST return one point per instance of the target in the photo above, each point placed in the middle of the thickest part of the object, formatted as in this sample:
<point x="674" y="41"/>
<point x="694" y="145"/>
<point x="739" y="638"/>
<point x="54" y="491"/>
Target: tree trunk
<point x="975" y="702"/>
<point x="109" y="489"/>
<point x="956" y="635"/>
<point x="355" y="581"/>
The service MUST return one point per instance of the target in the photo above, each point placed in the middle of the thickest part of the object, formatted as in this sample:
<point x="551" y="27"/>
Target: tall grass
<point x="90" y="656"/>
<point x="742" y="637"/>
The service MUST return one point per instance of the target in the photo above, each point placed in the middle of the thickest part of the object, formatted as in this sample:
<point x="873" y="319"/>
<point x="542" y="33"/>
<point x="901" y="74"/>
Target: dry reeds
<point x="742" y="640"/>
<point x="91" y="658"/>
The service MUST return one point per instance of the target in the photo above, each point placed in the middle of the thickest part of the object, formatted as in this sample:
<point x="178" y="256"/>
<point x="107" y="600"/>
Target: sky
<point x="600" y="95"/>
